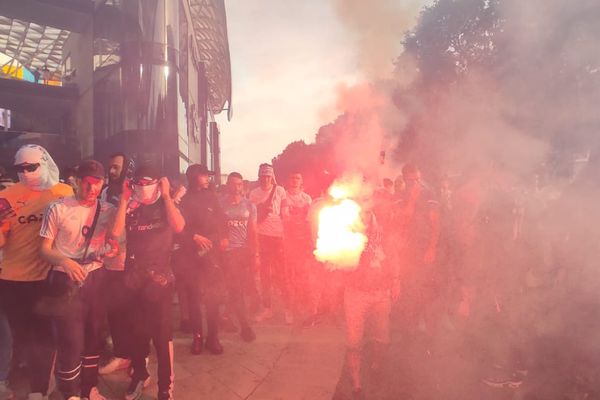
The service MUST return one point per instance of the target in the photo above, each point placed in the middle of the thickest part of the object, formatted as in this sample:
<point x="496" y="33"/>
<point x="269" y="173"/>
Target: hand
<point x="5" y="214"/>
<point x="126" y="190"/>
<point x="396" y="288"/>
<point x="164" y="187"/>
<point x="430" y="256"/>
<point x="202" y="242"/>
<point x="74" y="270"/>
<point x="179" y="193"/>
<point x="114" y="248"/>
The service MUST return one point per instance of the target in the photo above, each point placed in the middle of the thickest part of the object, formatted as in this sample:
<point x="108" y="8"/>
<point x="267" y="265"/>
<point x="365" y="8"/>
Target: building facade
<point x="144" y="77"/>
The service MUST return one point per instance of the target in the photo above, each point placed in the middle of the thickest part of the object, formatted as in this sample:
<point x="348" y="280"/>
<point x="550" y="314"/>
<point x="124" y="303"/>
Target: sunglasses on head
<point x="26" y="167"/>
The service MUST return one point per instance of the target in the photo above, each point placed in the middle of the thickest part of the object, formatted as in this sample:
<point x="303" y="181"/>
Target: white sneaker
<point x="266" y="314"/>
<point x="95" y="394"/>
<point x="36" y="396"/>
<point x="5" y="392"/>
<point x="113" y="365"/>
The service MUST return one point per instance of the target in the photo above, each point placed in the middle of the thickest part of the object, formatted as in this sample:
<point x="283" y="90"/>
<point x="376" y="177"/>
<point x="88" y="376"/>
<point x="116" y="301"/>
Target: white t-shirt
<point x="272" y="225"/>
<point x="66" y="221"/>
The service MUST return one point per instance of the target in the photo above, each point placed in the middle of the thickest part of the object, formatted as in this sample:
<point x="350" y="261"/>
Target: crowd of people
<point x="234" y="257"/>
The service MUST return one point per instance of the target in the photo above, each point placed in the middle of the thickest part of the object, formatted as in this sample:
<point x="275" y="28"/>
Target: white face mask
<point x="147" y="194"/>
<point x="32" y="180"/>
<point x="47" y="173"/>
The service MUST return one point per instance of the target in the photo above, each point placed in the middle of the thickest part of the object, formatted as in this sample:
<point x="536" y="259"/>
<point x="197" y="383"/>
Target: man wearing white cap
<point x="271" y="205"/>
<point x="23" y="271"/>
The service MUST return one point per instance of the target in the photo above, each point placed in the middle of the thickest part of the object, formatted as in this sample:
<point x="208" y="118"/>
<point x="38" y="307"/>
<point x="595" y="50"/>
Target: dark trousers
<point x="272" y="268"/>
<point x="78" y="332"/>
<point x="117" y="312"/>
<point x="236" y="267"/>
<point x="151" y="321"/>
<point x="196" y="276"/>
<point x="31" y="331"/>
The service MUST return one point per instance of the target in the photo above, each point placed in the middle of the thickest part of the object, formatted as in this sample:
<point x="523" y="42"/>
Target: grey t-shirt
<point x="238" y="216"/>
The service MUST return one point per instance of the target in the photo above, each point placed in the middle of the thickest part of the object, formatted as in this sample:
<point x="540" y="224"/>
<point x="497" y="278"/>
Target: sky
<point x="287" y="59"/>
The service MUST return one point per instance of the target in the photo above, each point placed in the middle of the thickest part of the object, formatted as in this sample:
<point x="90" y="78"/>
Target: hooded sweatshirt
<point x="28" y="200"/>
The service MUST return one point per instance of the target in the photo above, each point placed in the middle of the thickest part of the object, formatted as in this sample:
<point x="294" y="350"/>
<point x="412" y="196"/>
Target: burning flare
<point x="341" y="239"/>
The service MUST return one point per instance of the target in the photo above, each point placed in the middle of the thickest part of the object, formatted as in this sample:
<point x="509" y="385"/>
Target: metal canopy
<point x="33" y="46"/>
<point x="210" y="30"/>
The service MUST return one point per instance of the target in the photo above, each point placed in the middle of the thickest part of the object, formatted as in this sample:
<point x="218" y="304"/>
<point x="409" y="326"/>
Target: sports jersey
<point x="21" y="260"/>
<point x="67" y="222"/>
<point x="237" y="216"/>
<point x="149" y="237"/>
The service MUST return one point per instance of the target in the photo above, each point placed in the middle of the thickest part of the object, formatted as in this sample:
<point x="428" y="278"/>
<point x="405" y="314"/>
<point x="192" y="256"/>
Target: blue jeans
<point x="6" y="346"/>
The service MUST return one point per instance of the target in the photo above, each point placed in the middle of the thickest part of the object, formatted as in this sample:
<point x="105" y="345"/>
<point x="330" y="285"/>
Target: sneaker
<point x="247" y="334"/>
<point x="213" y="345"/>
<point x="135" y="389"/>
<point x="266" y="314"/>
<point x="289" y="317"/>
<point x="5" y="392"/>
<point x="115" y="364"/>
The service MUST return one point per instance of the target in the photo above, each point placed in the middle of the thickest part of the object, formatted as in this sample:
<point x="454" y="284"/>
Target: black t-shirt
<point x="149" y="237"/>
<point x="203" y="216"/>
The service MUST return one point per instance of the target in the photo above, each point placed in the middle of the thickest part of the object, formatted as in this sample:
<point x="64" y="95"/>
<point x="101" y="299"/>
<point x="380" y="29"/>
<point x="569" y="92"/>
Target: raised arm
<point x="174" y="217"/>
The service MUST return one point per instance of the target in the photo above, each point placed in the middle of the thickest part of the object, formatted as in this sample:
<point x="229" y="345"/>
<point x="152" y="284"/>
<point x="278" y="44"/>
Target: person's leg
<point x="162" y="338"/>
<point x="211" y="286"/>
<point x="117" y="312"/>
<point x="355" y="306"/>
<point x="32" y="331"/>
<point x="140" y="326"/>
<point x="69" y="331"/>
<point x="93" y="313"/>
<point x="194" y="296"/>
<point x="266" y="259"/>
<point x="380" y="310"/>
<point x="279" y="273"/>
<point x="237" y="265"/>
<point x="6" y="344"/>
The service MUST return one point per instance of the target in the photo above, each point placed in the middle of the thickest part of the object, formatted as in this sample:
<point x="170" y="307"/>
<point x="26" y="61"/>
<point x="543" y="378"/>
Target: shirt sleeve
<point x="49" y="227"/>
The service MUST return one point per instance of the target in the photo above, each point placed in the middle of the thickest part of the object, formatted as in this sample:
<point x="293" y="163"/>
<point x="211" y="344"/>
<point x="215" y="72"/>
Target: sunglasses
<point x="26" y="167"/>
<point x="145" y="182"/>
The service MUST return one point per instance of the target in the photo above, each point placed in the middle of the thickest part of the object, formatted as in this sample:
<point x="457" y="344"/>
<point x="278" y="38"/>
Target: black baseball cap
<point x="91" y="168"/>
<point x="147" y="171"/>
<point x="197" y="169"/>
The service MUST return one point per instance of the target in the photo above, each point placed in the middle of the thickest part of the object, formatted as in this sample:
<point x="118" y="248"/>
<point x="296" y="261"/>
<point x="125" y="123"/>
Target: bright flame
<point x="340" y="240"/>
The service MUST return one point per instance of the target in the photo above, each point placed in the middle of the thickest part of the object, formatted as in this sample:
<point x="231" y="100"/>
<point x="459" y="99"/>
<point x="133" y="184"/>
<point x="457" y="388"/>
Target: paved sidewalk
<point x="283" y="363"/>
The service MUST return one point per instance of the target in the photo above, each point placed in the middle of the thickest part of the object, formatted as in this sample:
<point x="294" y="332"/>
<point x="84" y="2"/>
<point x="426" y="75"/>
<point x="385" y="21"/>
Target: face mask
<point x="146" y="194"/>
<point x="32" y="180"/>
